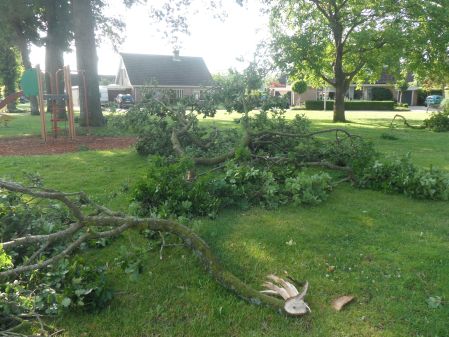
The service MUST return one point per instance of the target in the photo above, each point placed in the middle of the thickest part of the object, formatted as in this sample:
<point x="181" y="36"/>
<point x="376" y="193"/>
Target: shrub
<point x="381" y="94"/>
<point x="438" y="121"/>
<point x="319" y="105"/>
<point x="352" y="105"/>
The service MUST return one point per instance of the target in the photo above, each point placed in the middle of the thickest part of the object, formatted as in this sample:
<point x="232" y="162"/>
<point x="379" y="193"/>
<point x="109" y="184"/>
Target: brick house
<point x="363" y="92"/>
<point x="185" y="75"/>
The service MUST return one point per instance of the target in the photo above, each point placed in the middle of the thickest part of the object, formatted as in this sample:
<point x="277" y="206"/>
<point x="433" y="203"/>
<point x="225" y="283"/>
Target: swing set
<point x="59" y="99"/>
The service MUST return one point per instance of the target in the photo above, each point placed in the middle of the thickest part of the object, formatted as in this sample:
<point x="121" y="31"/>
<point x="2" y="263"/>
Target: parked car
<point x="124" y="101"/>
<point x="434" y="100"/>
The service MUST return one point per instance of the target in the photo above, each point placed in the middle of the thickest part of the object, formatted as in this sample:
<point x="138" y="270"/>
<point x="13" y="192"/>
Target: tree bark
<point x="340" y="76"/>
<point x="23" y="47"/>
<point x="87" y="62"/>
<point x="54" y="57"/>
<point x="339" y="104"/>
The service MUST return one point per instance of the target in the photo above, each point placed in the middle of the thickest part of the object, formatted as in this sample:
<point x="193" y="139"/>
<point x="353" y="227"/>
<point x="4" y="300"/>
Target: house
<point x="185" y="75"/>
<point x="363" y="92"/>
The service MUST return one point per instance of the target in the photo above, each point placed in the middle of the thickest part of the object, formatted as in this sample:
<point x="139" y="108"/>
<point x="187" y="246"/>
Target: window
<point x="179" y="93"/>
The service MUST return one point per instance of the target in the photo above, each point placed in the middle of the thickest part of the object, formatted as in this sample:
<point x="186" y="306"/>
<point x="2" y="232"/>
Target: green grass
<point x="388" y="250"/>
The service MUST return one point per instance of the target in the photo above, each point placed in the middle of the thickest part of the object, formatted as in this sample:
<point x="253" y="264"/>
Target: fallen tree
<point x="105" y="223"/>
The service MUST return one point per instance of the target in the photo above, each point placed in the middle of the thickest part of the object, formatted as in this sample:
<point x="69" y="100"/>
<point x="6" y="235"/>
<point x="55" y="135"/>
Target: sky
<point x="220" y="43"/>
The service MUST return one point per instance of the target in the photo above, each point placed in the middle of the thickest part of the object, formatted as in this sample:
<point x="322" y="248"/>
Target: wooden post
<point x="40" y="99"/>
<point x="71" y="113"/>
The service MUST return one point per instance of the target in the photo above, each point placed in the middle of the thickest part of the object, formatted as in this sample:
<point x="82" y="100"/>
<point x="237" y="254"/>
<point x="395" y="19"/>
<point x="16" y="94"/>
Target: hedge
<point x="352" y="105"/>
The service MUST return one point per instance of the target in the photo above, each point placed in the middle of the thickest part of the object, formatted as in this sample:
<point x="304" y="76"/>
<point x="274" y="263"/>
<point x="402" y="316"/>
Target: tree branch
<point x="122" y="223"/>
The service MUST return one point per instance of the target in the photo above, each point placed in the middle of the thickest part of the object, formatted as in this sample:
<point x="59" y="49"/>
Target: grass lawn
<point x="389" y="251"/>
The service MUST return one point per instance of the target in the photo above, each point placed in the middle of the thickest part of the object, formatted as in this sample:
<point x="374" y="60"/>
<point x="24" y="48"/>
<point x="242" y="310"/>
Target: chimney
<point x="176" y="55"/>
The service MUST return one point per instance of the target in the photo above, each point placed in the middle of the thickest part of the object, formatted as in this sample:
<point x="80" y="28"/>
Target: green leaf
<point x="66" y="302"/>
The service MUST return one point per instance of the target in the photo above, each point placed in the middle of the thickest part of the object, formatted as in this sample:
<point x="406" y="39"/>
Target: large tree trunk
<point x="22" y="44"/>
<point x="87" y="59"/>
<point x="54" y="56"/>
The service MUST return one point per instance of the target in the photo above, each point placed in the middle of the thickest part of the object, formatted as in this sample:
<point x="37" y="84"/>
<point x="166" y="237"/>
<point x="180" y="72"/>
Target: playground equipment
<point x="32" y="83"/>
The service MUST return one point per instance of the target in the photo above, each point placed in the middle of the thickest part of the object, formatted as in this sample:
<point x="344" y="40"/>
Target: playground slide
<point x="10" y="98"/>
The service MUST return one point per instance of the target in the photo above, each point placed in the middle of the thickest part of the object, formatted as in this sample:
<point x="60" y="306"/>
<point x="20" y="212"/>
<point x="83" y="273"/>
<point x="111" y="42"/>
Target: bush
<point x="352" y="105"/>
<point x="381" y="94"/>
<point x="319" y="105"/>
<point x="438" y="121"/>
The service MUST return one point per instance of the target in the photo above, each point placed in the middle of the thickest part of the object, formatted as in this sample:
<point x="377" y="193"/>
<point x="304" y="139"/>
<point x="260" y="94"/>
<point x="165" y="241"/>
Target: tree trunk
<point x="22" y="44"/>
<point x="9" y="74"/>
<point x="87" y="59"/>
<point x="54" y="57"/>
<point x="339" y="104"/>
<point x="340" y="79"/>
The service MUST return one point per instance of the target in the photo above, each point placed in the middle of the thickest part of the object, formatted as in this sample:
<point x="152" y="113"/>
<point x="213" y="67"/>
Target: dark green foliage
<point x="381" y="94"/>
<point x="402" y="176"/>
<point x="268" y="102"/>
<point x="72" y="284"/>
<point x="309" y="190"/>
<point x="438" y="121"/>
<point x="319" y="105"/>
<point x="244" y="186"/>
<point x="9" y="71"/>
<point x="299" y="87"/>
<point x="355" y="153"/>
<point x="67" y="284"/>
<point x="155" y="139"/>
<point x="352" y="105"/>
<point x="166" y="191"/>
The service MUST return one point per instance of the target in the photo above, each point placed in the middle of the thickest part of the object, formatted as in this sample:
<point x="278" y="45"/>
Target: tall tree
<point x="20" y="22"/>
<point x="89" y="19"/>
<point x="57" y="23"/>
<point x="428" y="54"/>
<point x="9" y="71"/>
<point x="336" y="42"/>
<point x="87" y="63"/>
<point x="88" y="16"/>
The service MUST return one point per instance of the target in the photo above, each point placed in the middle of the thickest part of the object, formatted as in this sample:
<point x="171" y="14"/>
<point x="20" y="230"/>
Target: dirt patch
<point x="29" y="146"/>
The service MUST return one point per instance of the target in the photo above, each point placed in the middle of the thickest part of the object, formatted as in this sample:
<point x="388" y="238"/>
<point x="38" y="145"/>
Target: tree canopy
<point x="339" y="42"/>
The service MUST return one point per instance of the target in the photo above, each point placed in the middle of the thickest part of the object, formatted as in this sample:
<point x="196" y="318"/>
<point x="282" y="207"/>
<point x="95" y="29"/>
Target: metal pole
<point x="40" y="98"/>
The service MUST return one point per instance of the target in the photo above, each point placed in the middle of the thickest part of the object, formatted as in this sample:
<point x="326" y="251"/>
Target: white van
<point x="104" y="96"/>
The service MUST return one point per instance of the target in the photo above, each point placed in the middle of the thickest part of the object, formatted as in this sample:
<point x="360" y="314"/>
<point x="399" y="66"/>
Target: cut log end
<point x="340" y="302"/>
<point x="296" y="306"/>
